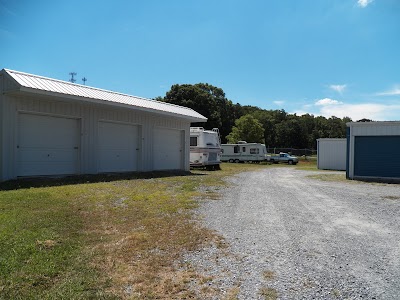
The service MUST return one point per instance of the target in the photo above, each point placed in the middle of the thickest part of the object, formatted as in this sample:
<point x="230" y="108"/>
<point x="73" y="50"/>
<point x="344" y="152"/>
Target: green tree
<point x="201" y="97"/>
<point x="247" y="128"/>
<point x="269" y="120"/>
<point x="279" y="129"/>
<point x="292" y="133"/>
<point x="208" y="100"/>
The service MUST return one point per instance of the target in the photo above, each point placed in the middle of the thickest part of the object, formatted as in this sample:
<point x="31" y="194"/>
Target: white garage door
<point x="168" y="151"/>
<point x="47" y="145"/>
<point x="118" y="147"/>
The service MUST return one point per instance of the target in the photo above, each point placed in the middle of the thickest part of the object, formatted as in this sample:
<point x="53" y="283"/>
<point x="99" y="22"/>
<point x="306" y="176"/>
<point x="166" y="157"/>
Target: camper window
<point x="244" y="149"/>
<point x="236" y="149"/>
<point x="193" y="141"/>
<point x="254" y="151"/>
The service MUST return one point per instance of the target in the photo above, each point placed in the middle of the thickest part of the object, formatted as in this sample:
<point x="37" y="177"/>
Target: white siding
<point x="375" y="128"/>
<point x="89" y="115"/>
<point x="47" y="145"/>
<point x="118" y="147"/>
<point x="331" y="154"/>
<point x="168" y="149"/>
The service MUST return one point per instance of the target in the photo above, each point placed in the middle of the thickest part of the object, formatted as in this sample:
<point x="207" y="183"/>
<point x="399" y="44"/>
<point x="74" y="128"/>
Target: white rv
<point x="205" y="148"/>
<point x="243" y="152"/>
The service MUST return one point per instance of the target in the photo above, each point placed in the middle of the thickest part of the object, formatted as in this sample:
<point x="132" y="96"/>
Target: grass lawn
<point x="309" y="164"/>
<point x="111" y="239"/>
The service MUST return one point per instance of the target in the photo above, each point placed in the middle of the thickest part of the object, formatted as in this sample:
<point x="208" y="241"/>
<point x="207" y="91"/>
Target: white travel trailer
<point x="243" y="152"/>
<point x="205" y="148"/>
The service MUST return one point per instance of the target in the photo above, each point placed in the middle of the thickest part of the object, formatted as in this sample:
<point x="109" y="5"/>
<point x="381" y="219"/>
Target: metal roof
<point x="374" y="123"/>
<point x="35" y="83"/>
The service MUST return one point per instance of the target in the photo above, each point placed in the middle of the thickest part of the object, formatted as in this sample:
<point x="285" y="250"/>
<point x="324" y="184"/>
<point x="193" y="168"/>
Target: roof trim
<point x="34" y="84"/>
<point x="374" y="123"/>
<point x="331" y="139"/>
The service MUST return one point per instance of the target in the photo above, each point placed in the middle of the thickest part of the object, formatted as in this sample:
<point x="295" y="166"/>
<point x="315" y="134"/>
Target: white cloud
<point x="364" y="3"/>
<point x="374" y="111"/>
<point x="378" y="112"/>
<point x="327" y="101"/>
<point x="279" y="102"/>
<point x="338" y="87"/>
<point x="393" y="92"/>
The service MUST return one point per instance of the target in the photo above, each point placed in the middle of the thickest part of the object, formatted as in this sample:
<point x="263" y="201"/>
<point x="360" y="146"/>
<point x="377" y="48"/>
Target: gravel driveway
<point x="303" y="238"/>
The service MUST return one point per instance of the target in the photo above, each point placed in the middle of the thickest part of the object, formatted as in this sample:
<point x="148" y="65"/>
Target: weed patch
<point x="269" y="293"/>
<point x="330" y="177"/>
<point x="41" y="253"/>
<point x="269" y="275"/>
<point x="391" y="197"/>
<point x="307" y="165"/>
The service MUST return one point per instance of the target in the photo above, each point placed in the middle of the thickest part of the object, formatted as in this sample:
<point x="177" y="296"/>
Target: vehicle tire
<point x="290" y="162"/>
<point x="271" y="161"/>
<point x="231" y="160"/>
<point x="237" y="161"/>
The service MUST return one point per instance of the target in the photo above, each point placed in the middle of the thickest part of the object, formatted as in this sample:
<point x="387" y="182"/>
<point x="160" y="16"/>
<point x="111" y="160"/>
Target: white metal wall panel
<point x="331" y="154"/>
<point x="118" y="147"/>
<point x="47" y="145"/>
<point x="375" y="128"/>
<point x="167" y="149"/>
<point x="89" y="116"/>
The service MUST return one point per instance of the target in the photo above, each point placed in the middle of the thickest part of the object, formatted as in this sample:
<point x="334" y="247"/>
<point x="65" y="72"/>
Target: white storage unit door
<point x="47" y="145"/>
<point x="168" y="151"/>
<point x="118" y="147"/>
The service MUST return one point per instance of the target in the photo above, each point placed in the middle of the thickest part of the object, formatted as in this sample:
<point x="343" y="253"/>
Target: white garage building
<point x="331" y="154"/>
<point x="53" y="127"/>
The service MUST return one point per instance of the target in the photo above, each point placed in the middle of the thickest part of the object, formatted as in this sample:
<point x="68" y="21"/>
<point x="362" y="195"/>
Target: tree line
<point x="275" y="128"/>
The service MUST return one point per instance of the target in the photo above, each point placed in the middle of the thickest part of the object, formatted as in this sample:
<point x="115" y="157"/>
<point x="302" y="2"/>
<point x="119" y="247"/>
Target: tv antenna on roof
<point x="72" y="77"/>
<point x="84" y="79"/>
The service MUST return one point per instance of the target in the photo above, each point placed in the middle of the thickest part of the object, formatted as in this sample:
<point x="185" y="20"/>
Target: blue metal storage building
<point x="373" y="151"/>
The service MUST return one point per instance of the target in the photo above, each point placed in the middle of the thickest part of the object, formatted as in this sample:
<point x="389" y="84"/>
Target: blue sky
<point x="325" y="57"/>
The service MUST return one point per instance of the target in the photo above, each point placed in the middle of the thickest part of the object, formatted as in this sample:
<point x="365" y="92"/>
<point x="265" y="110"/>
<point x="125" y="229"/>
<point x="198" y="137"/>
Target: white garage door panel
<point x="167" y="149"/>
<point x="118" y="144"/>
<point x="35" y="169"/>
<point x="47" y="145"/>
<point x="50" y="155"/>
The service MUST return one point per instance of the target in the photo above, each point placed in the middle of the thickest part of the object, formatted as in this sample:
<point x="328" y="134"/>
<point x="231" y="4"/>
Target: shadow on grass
<point x="48" y="181"/>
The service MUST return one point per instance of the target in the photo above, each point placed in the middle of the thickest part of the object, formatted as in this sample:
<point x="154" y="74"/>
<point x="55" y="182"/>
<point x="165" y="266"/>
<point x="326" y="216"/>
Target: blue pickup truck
<point x="283" y="158"/>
